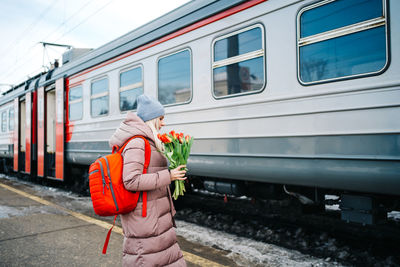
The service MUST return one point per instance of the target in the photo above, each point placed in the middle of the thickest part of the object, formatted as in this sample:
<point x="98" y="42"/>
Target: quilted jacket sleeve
<point x="133" y="177"/>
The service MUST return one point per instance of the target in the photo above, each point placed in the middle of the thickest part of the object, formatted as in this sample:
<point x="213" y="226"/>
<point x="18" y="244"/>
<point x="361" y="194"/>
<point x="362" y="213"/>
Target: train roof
<point x="181" y="17"/>
<point x="28" y="85"/>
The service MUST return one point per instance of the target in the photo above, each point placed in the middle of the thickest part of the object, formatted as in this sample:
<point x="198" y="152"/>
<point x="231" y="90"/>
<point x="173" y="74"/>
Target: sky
<point x="78" y="23"/>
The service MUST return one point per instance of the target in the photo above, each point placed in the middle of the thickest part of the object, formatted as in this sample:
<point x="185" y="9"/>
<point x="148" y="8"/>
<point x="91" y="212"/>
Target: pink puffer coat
<point x="150" y="240"/>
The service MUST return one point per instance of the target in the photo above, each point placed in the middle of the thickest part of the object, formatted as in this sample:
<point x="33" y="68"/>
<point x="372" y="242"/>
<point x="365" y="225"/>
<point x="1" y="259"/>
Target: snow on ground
<point x="7" y="212"/>
<point x="247" y="252"/>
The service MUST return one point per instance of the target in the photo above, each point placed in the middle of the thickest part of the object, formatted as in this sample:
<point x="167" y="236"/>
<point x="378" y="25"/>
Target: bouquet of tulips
<point x="176" y="149"/>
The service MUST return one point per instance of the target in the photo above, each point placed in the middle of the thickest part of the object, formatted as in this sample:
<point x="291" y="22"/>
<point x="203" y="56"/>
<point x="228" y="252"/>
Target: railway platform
<point x="41" y="231"/>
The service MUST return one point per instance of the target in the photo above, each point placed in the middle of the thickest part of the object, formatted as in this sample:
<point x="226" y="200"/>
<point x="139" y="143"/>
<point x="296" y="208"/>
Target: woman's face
<point x="161" y="122"/>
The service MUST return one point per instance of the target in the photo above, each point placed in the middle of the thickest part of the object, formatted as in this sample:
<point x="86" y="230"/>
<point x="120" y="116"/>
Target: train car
<point x="281" y="96"/>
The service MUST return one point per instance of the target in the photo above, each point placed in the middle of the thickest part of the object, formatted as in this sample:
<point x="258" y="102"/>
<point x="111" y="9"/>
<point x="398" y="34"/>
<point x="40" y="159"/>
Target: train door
<point x="27" y="153"/>
<point x="33" y="119"/>
<point x="54" y="131"/>
<point x="41" y="133"/>
<point x="22" y="136"/>
<point x="60" y="129"/>
<point x="16" y="139"/>
<point x="27" y="105"/>
<point x="50" y="136"/>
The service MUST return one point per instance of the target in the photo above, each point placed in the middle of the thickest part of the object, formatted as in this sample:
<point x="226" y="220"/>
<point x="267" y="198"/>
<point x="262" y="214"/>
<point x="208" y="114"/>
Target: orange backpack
<point x="107" y="190"/>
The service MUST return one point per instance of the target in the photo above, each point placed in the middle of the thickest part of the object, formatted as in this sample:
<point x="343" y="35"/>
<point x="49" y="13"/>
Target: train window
<point x="130" y="87"/>
<point x="4" y="121"/>
<point x="174" y="78"/>
<point x="238" y="62"/>
<point x="99" y="98"/>
<point x="75" y="103"/>
<point x="11" y="119"/>
<point x="341" y="39"/>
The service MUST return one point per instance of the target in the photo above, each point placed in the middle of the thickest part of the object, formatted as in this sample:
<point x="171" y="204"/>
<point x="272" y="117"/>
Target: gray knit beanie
<point x="149" y="108"/>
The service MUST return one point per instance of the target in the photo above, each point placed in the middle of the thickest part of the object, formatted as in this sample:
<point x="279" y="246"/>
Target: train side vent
<point x="74" y="53"/>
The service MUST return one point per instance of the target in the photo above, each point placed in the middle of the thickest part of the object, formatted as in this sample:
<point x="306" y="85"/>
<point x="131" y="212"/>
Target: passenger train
<point x="292" y="96"/>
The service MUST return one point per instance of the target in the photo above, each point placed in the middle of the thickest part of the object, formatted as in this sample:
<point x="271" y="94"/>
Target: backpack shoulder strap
<point x="147" y="155"/>
<point x="147" y="150"/>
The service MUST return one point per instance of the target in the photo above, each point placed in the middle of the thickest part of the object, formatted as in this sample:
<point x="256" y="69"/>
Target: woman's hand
<point x="177" y="173"/>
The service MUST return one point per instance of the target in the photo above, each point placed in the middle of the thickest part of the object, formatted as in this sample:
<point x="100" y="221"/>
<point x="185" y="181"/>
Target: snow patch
<point x="247" y="252"/>
<point x="8" y="212"/>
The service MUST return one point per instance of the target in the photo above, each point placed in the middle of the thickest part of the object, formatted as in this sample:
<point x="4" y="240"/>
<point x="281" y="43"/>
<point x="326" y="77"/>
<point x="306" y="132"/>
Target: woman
<point x="150" y="240"/>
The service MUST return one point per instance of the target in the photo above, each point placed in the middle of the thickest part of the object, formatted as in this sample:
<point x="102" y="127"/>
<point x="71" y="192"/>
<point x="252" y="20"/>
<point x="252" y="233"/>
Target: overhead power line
<point x="68" y="19"/>
<point x="29" y="28"/>
<point x="30" y="49"/>
<point x="84" y="20"/>
<point x="65" y="33"/>
<point x="16" y="66"/>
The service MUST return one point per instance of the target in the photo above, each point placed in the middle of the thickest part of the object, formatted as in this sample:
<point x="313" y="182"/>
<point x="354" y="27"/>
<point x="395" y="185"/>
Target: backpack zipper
<point x="102" y="176"/>
<point x="111" y="187"/>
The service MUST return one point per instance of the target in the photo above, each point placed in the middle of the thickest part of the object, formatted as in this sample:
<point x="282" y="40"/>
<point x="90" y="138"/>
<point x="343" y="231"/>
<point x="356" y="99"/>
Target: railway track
<point x="282" y="223"/>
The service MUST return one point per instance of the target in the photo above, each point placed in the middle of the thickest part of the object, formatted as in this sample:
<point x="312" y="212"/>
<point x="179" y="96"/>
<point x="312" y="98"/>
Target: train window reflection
<point x="11" y="119"/>
<point x="341" y="39"/>
<point x="131" y="86"/>
<point x="174" y="78"/>
<point x="75" y="103"/>
<point x="4" y="121"/>
<point x="99" y="98"/>
<point x="353" y="54"/>
<point x="250" y="78"/>
<point x="238" y="44"/>
<point x="338" y="14"/>
<point x="238" y="63"/>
